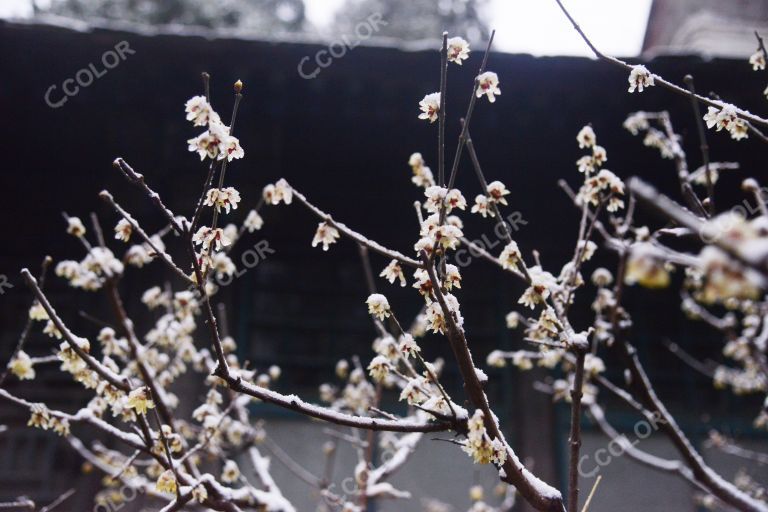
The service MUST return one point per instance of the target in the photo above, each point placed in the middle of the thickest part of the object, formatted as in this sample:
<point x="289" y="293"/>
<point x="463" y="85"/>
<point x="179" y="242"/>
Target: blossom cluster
<point x="727" y="118"/>
<point x="215" y="143"/>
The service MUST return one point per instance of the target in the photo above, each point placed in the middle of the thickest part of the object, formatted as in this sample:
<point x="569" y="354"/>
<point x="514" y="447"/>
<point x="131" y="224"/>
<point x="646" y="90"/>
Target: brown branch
<point x="89" y="360"/>
<point x="164" y="256"/>
<point x="238" y="98"/>
<point x="28" y="326"/>
<point x="58" y="501"/>
<point x="675" y="212"/>
<point x="747" y="116"/>
<point x="354" y="235"/>
<point x="138" y="180"/>
<point x="574" y="440"/>
<point x="703" y="146"/>
<point x="468" y="117"/>
<point x="293" y="402"/>
<point x="442" y="113"/>
<point x="206" y="185"/>
<point x="681" y="162"/>
<point x="646" y="395"/>
<point x="535" y="491"/>
<point x="20" y="504"/>
<point x="484" y="185"/>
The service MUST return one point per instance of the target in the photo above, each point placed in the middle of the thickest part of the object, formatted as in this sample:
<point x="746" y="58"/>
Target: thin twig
<point x="164" y="256"/>
<point x="574" y="440"/>
<point x="28" y="326"/>
<point x="657" y="79"/>
<point x="703" y="146"/>
<point x="89" y="360"/>
<point x="442" y="113"/>
<point x="138" y="180"/>
<point x="58" y="501"/>
<point x="591" y="494"/>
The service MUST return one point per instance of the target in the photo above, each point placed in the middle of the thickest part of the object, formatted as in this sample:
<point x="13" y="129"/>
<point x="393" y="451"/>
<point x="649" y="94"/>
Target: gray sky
<point x="522" y="26"/>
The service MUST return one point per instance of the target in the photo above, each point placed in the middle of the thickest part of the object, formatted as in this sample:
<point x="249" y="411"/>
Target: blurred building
<point x="706" y="27"/>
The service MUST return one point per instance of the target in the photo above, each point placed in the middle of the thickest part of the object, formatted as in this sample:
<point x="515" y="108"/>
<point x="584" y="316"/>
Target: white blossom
<point x="430" y="107"/>
<point x="154" y="297"/>
<point x="452" y="277"/>
<point x="207" y="236"/>
<point x="392" y="272"/>
<point x="541" y="286"/>
<point x="253" y="221"/>
<point x="75" y="226"/>
<point x="510" y="256"/>
<point x="407" y="345"/>
<point x="586" y="137"/>
<point x="587" y="249"/>
<point x="208" y="144"/>
<point x="280" y="191"/>
<point x="482" y="206"/>
<point x="636" y="122"/>
<point x="480" y="446"/>
<point x="230" y="473"/>
<point x="379" y="368"/>
<point x="342" y="369"/>
<point x="325" y="234"/>
<point x="21" y="366"/>
<point x="727" y="118"/>
<point x="412" y="393"/>
<point x="378" y="306"/>
<point x="230" y="149"/>
<point x="222" y="265"/>
<point x="645" y="268"/>
<point x="512" y="319"/>
<point x="496" y="192"/>
<point x="37" y="312"/>
<point x="220" y="198"/>
<point x="757" y="60"/>
<point x="599" y="155"/>
<point x="448" y="237"/>
<point x="496" y="359"/>
<point x="521" y="360"/>
<point x="166" y="482"/>
<point x="454" y="199"/>
<point x="586" y="164"/>
<point x="422" y="175"/>
<point x="596" y="188"/>
<point x="423" y="283"/>
<point x="602" y="277"/>
<point x="639" y="78"/>
<point x="436" y="320"/>
<point x="123" y="230"/>
<point x="488" y="84"/>
<point x="199" y="111"/>
<point x="139" y="400"/>
<point x="435" y="198"/>
<point x="458" y="50"/>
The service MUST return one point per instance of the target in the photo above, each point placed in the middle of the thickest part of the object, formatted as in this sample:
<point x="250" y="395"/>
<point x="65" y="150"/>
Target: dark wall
<point x="343" y="138"/>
